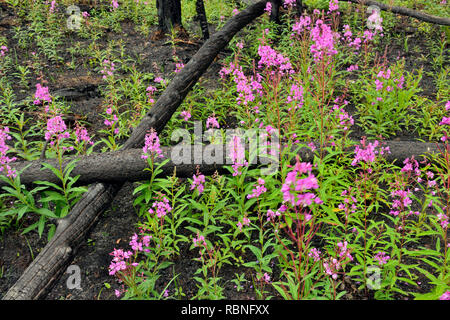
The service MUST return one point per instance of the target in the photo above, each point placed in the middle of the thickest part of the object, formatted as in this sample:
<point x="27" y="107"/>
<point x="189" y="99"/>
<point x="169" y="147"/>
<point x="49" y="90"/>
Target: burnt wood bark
<point x="126" y="165"/>
<point x="201" y="17"/>
<point x="405" y="12"/>
<point x="169" y="14"/>
<point x="51" y="262"/>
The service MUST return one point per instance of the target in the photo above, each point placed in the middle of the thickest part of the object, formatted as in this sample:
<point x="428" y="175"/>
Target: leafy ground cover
<point x="347" y="225"/>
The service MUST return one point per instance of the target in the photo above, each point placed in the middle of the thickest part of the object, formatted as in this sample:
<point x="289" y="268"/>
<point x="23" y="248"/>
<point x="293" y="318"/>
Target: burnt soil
<point x="117" y="224"/>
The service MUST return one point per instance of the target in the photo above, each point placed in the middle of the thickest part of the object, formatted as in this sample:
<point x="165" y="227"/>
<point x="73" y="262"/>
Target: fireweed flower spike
<point x="295" y="188"/>
<point x="198" y="181"/>
<point x="4" y="159"/>
<point x="152" y="146"/>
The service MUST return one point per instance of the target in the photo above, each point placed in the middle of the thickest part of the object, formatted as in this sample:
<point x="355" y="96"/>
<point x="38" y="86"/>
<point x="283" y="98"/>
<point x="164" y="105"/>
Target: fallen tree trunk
<point x="50" y="263"/>
<point x="404" y="12"/>
<point x="127" y="165"/>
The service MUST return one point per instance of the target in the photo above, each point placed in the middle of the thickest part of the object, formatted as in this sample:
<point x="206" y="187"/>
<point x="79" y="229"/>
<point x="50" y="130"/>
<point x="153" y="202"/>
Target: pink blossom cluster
<point x="81" y="134"/>
<point x="296" y="95"/>
<point x="119" y="263"/>
<point x="212" y="122"/>
<point x="344" y="251"/>
<point x="446" y="294"/>
<point x="268" y="7"/>
<point x="4" y="159"/>
<point x="199" y="241"/>
<point x="245" y="222"/>
<point x="301" y="25"/>
<point x="152" y="145"/>
<point x="161" y="208"/>
<point x="141" y="244"/>
<point x="3" y="51"/>
<point x="56" y="128"/>
<point x="289" y="4"/>
<point x="178" y="67"/>
<point x="114" y="4"/>
<point x="403" y="201"/>
<point x="333" y="6"/>
<point x="272" y="215"/>
<point x="347" y="36"/>
<point x="108" y="68"/>
<point x="323" y="41"/>
<point x="41" y="95"/>
<point x="264" y="278"/>
<point x="150" y="91"/>
<point x="345" y="120"/>
<point x="443" y="220"/>
<point x="349" y="205"/>
<point x="315" y="254"/>
<point x="114" y="119"/>
<point x="381" y="257"/>
<point x="52" y="7"/>
<point x="186" y="115"/>
<point x="296" y="188"/>
<point x="367" y="153"/>
<point x="198" y="181"/>
<point x="332" y="267"/>
<point x="236" y="151"/>
<point x="258" y="190"/>
<point x="270" y="58"/>
<point x="411" y="166"/>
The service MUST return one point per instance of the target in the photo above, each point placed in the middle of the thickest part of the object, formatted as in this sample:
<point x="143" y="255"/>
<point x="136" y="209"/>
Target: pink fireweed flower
<point x="353" y="67"/>
<point x="178" y="67"/>
<point x="446" y="294"/>
<point x="245" y="222"/>
<point x="447" y="106"/>
<point x="315" y="254"/>
<point x="296" y="95"/>
<point x="367" y="153"/>
<point x="108" y="69"/>
<point x="302" y="24"/>
<point x="198" y="181"/>
<point x="236" y="153"/>
<point x="379" y="85"/>
<point x="114" y="4"/>
<point x="150" y="91"/>
<point x="161" y="208"/>
<point x="272" y="215"/>
<point x="331" y="267"/>
<point x="52" y="7"/>
<point x="381" y="257"/>
<point x="4" y="159"/>
<point x="443" y="220"/>
<point x="3" y="51"/>
<point x="135" y="244"/>
<point x="152" y="146"/>
<point x="323" y="41"/>
<point x="268" y="7"/>
<point x="85" y="14"/>
<point x="289" y="4"/>
<point x="269" y="58"/>
<point x="344" y="252"/>
<point x="258" y="190"/>
<point x="333" y="5"/>
<point x="81" y="134"/>
<point x="199" y="241"/>
<point x="186" y="115"/>
<point x="56" y="127"/>
<point x="41" y="95"/>
<point x="295" y="188"/>
<point x="212" y="122"/>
